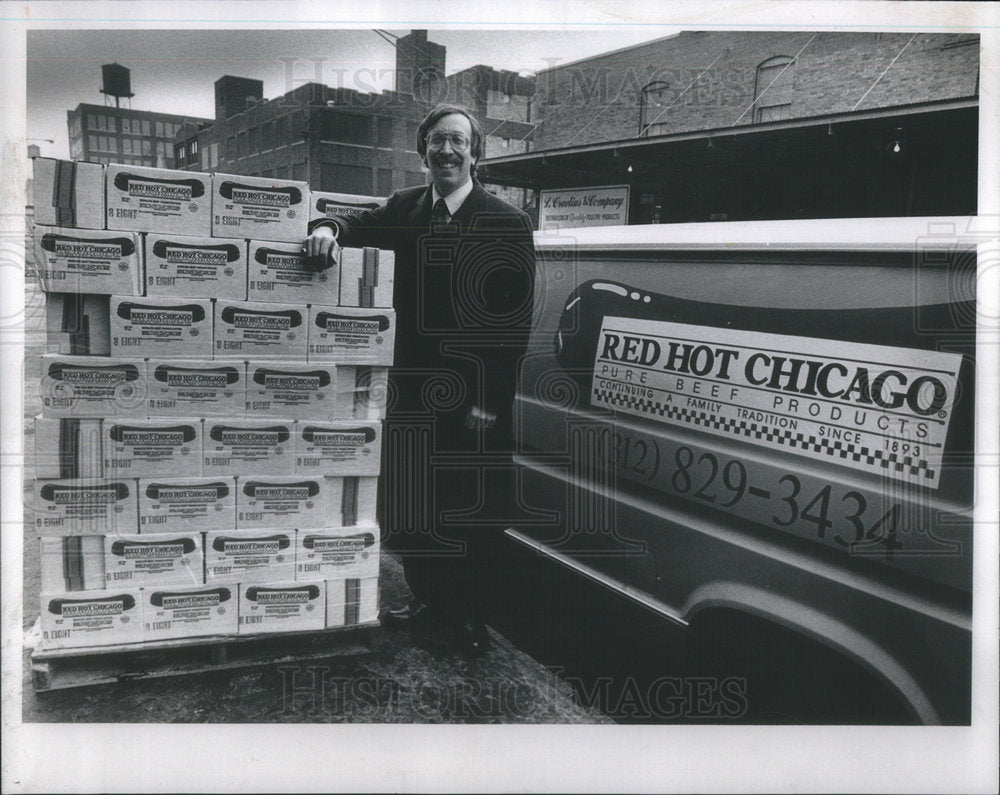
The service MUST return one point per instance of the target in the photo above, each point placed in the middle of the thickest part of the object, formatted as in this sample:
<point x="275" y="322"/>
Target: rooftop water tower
<point x="116" y="82"/>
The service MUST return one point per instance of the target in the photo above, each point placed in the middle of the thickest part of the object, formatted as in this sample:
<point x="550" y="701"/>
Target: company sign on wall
<point x="599" y="206"/>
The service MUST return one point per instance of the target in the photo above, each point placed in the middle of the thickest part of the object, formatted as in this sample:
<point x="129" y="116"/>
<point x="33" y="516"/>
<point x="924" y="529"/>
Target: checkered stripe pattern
<point x="763" y="433"/>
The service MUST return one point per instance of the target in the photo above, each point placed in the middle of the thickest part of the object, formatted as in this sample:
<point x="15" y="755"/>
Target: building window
<point x="346" y="128"/>
<point x="281" y="131"/>
<point x="342" y="178"/>
<point x="179" y="153"/>
<point x="145" y="127"/>
<point x="267" y="135"/>
<point x="653" y="105"/>
<point x="213" y="155"/>
<point x="299" y="171"/>
<point x="241" y="144"/>
<point x="194" y="147"/>
<point x="160" y="131"/>
<point x="282" y="172"/>
<point x="253" y="140"/>
<point x="384" y="187"/>
<point x="505" y="143"/>
<point x="773" y="89"/>
<point x="411" y="137"/>
<point x="385" y="133"/>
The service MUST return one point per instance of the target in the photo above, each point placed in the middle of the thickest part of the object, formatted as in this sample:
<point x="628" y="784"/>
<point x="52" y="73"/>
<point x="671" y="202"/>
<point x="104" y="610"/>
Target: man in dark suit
<point x="464" y="276"/>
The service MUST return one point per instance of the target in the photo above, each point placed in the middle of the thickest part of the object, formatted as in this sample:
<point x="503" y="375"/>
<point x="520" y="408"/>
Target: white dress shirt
<point x="453" y="200"/>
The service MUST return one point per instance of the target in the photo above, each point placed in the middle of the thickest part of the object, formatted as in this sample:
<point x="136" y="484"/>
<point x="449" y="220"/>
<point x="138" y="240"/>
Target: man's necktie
<point x="440" y="214"/>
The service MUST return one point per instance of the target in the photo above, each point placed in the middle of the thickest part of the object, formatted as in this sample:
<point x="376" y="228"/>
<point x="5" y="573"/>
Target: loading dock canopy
<point x="905" y="160"/>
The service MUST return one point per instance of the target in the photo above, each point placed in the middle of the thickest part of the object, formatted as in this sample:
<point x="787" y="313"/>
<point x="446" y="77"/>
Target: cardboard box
<point x="67" y="193"/>
<point x="259" y="208"/>
<point x="337" y="552"/>
<point x="91" y="618"/>
<point x="153" y="560"/>
<point x="144" y="199"/>
<point x="282" y="607"/>
<point x="250" y="555"/>
<point x="164" y="327"/>
<point x="195" y="267"/>
<point x="277" y="272"/>
<point x="340" y="447"/>
<point x="349" y="335"/>
<point x="324" y="205"/>
<point x="92" y="386"/>
<point x="361" y="392"/>
<point x="190" y="611"/>
<point x="185" y="505"/>
<point x="196" y="389"/>
<point x="68" y="448"/>
<point x="366" y="277"/>
<point x="152" y="448"/>
<point x="297" y="391"/>
<point x="84" y="507"/>
<point x="249" y="447"/>
<point x="71" y="563"/>
<point x="77" y="324"/>
<point x="253" y="330"/>
<point x="353" y="501"/>
<point x="88" y="261"/>
<point x="351" y="601"/>
<point x="282" y="502"/>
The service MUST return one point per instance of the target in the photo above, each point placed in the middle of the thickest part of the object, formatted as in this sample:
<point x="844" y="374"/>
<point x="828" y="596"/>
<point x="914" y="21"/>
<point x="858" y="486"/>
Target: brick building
<point x="746" y="125"/>
<point x="105" y="134"/>
<point x="334" y="138"/>
<point x="349" y="141"/>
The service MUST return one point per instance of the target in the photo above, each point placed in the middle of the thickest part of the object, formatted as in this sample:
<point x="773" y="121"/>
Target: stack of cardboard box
<point x="208" y="452"/>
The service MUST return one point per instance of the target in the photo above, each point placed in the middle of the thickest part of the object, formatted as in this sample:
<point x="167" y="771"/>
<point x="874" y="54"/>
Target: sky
<point x="174" y="71"/>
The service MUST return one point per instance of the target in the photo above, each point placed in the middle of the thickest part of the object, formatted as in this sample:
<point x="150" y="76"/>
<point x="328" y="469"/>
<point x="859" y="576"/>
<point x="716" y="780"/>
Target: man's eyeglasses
<point x="459" y="142"/>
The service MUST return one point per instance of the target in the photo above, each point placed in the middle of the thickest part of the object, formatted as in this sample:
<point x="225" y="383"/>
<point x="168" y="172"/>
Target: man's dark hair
<point x="478" y="148"/>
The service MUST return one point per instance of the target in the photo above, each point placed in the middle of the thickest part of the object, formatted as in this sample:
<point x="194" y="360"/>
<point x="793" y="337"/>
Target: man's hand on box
<point x="479" y="419"/>
<point x="320" y="248"/>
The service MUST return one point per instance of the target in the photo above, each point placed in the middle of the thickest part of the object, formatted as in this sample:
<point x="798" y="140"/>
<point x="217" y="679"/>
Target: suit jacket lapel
<point x="419" y="217"/>
<point x="473" y="202"/>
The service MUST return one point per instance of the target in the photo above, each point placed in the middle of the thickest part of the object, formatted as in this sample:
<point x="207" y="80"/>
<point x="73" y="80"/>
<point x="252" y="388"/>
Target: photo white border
<point x="198" y="757"/>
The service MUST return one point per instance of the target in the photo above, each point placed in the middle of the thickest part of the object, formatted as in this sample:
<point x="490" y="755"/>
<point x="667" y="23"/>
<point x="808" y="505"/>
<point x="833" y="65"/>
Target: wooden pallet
<point x="58" y="669"/>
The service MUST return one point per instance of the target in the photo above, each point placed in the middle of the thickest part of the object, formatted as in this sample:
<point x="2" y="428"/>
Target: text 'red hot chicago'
<point x="852" y="382"/>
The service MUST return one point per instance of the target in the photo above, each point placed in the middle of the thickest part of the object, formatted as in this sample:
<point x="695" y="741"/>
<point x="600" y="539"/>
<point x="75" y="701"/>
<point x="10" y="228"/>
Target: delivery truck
<point x="764" y="434"/>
